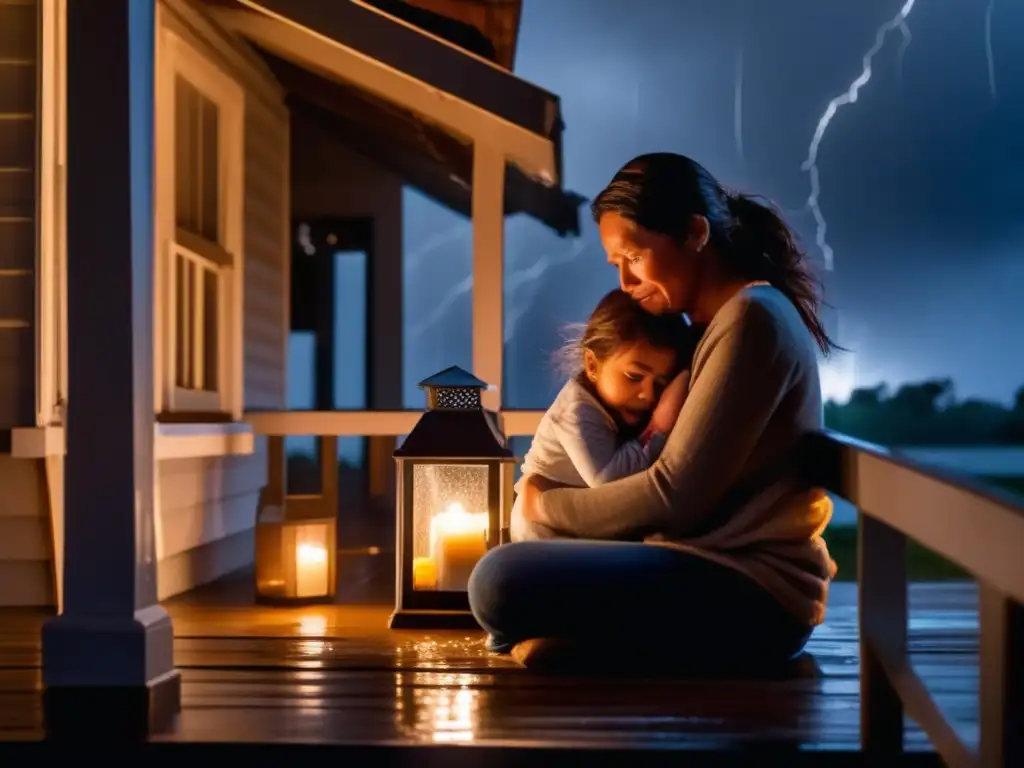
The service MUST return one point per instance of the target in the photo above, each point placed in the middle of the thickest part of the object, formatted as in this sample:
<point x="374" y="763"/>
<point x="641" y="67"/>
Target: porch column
<point x="111" y="650"/>
<point x="488" y="268"/>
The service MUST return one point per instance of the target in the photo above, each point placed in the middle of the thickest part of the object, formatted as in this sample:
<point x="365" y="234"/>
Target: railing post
<point x="277" y="482"/>
<point x="1002" y="678"/>
<point x="329" y="473"/>
<point x="882" y="608"/>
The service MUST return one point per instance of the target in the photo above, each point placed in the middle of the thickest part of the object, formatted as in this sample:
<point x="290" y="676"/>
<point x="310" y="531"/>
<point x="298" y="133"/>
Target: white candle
<point x="458" y="541"/>
<point x="310" y="570"/>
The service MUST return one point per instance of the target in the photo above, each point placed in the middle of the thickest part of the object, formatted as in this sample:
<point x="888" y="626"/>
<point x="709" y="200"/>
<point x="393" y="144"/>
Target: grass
<point x="922" y="563"/>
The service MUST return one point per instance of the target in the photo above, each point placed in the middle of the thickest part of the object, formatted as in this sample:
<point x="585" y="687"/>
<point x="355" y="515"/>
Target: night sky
<point x="920" y="178"/>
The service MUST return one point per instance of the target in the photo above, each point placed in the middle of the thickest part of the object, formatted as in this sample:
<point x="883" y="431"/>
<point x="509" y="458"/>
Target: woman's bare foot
<point x="543" y="652"/>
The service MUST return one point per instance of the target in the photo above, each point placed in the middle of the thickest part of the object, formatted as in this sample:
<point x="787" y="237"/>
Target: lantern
<point x="295" y="554"/>
<point x="454" y="500"/>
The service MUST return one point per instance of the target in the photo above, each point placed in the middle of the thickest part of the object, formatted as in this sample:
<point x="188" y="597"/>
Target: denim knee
<point x="483" y="588"/>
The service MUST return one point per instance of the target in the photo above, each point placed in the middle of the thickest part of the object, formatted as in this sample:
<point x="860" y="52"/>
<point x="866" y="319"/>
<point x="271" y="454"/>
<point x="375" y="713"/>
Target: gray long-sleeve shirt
<point x="725" y="485"/>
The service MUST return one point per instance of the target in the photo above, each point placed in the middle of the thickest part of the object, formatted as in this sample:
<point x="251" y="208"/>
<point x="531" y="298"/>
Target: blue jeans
<point x="633" y="596"/>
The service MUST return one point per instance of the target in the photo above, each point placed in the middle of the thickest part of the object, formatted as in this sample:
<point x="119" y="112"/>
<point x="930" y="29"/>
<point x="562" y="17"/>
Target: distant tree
<point x="926" y="413"/>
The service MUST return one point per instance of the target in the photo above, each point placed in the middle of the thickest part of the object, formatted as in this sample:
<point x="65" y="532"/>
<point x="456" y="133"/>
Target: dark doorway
<point x="329" y="352"/>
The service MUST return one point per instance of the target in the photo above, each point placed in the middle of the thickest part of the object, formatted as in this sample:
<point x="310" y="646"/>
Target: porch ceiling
<point x="357" y="44"/>
<point x="434" y="161"/>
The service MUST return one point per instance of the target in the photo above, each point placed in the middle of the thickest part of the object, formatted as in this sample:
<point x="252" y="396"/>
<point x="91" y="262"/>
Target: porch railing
<point x="978" y="528"/>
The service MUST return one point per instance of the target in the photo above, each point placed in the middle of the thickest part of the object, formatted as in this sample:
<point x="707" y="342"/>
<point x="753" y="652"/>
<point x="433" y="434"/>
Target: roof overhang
<point x="430" y="159"/>
<point x="465" y="95"/>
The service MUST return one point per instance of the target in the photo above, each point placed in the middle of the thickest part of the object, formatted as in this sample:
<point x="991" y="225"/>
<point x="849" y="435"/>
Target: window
<point x="199" y="224"/>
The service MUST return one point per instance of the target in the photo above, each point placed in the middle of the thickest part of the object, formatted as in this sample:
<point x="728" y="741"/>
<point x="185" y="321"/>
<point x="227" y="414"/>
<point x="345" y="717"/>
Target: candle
<point x="458" y="541"/>
<point x="424" y="573"/>
<point x="310" y="570"/>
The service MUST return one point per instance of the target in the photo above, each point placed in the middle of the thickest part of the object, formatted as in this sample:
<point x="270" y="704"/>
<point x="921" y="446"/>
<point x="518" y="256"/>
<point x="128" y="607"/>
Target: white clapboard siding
<point x="25" y="562"/>
<point x="206" y="507"/>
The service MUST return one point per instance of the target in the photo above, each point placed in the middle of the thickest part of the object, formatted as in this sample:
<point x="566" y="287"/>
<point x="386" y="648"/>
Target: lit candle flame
<point x="310" y="554"/>
<point x="456" y="520"/>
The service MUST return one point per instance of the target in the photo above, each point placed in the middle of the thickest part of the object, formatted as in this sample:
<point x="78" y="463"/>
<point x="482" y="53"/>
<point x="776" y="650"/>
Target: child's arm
<point x="591" y="443"/>
<point x="668" y="408"/>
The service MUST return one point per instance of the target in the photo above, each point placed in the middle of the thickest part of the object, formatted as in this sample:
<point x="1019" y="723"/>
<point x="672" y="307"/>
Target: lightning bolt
<point x="513" y="283"/>
<point x="810" y="165"/>
<point x="737" y="107"/>
<point x="432" y="243"/>
<point x="988" y="49"/>
<point x="904" y="44"/>
<point x="529" y="275"/>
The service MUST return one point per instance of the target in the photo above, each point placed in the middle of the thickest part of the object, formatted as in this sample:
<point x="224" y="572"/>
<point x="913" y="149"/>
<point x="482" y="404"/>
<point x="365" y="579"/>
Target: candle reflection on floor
<point x="438" y="707"/>
<point x="313" y="626"/>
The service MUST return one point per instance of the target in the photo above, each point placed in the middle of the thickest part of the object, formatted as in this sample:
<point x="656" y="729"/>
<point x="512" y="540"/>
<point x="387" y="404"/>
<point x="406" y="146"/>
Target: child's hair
<point x="617" y="322"/>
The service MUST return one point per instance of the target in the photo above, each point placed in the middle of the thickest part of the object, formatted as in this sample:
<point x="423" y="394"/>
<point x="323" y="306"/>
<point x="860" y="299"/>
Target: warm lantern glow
<point x="311" y="571"/>
<point x="458" y="539"/>
<point x="424" y="573"/>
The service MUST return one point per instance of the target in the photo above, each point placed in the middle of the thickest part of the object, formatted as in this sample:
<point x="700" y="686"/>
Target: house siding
<point x="206" y="508"/>
<point x="18" y="75"/>
<point x="26" y="576"/>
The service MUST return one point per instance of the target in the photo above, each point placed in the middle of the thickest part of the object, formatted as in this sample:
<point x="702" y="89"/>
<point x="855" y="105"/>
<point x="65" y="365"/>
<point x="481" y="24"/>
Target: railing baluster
<point x="329" y="473"/>
<point x="1002" y="678"/>
<point x="882" y="603"/>
<point x="277" y="483"/>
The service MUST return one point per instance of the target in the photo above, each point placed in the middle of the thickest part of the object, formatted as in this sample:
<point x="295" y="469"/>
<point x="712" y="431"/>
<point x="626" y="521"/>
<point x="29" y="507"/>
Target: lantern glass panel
<point x="312" y="567"/>
<point x="451" y="516"/>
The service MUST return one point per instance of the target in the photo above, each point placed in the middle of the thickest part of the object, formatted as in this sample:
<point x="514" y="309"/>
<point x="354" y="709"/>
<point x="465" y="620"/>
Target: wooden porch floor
<point x="336" y="675"/>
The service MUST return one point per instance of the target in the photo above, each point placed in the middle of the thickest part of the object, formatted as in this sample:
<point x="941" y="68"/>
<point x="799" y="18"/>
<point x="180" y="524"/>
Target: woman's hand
<point x="534" y="486"/>
<point x="667" y="410"/>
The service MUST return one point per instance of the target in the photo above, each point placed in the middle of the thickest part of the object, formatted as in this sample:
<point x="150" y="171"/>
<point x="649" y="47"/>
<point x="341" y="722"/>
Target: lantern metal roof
<point x="453" y="377"/>
<point x="456" y="426"/>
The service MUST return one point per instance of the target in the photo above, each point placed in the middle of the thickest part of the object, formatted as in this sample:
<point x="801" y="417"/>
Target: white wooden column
<point x="111" y="650"/>
<point x="488" y="268"/>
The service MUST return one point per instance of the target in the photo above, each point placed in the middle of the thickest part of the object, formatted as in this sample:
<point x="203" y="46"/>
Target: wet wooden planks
<point x="335" y="675"/>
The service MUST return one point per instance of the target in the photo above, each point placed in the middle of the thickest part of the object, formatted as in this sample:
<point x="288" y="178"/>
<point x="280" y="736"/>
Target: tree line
<point x="926" y="413"/>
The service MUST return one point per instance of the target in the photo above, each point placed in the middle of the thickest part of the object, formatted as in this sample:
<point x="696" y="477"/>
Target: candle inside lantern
<point x="311" y="570"/>
<point x="458" y="541"/>
<point x="424" y="573"/>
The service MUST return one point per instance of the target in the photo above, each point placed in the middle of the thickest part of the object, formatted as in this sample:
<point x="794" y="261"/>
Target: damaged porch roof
<point x="412" y="101"/>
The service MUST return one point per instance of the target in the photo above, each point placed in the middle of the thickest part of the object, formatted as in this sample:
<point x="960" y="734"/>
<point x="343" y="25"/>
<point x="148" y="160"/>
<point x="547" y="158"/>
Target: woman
<point x="714" y="554"/>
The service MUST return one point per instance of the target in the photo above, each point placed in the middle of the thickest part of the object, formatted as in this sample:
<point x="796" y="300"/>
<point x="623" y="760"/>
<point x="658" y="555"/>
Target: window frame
<point x="176" y="57"/>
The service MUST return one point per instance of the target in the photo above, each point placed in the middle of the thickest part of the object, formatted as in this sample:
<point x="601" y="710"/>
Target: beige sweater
<point x="726" y="484"/>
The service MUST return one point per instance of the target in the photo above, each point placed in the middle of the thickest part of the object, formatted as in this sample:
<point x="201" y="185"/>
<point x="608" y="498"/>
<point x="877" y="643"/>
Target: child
<point x="621" y="363"/>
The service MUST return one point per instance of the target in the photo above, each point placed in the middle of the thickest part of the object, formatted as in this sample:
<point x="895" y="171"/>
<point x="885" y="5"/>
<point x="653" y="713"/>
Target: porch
<point x="304" y="678"/>
<point x="335" y="675"/>
<point x="927" y="670"/>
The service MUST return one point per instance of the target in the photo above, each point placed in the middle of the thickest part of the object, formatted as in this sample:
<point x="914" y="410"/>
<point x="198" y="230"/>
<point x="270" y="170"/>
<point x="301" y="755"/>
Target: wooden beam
<point x="488" y="270"/>
<point x="531" y="148"/>
<point x="976" y="526"/>
<point x="112" y="646"/>
<point x="1002" y="678"/>
<point x="367" y="423"/>
<point x="883" y="619"/>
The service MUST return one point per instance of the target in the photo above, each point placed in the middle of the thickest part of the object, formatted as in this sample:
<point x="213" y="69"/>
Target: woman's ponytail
<point x="763" y="247"/>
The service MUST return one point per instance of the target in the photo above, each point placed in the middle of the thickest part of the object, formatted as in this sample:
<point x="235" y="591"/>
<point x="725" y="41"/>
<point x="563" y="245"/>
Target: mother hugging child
<point x="620" y="368"/>
<point x="698" y="539"/>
